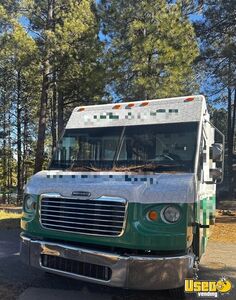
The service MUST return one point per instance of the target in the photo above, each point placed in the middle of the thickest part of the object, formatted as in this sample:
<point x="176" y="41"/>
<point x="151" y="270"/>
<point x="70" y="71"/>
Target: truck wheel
<point x="177" y="293"/>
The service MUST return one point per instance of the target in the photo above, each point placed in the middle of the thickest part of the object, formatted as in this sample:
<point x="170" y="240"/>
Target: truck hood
<point x="152" y="188"/>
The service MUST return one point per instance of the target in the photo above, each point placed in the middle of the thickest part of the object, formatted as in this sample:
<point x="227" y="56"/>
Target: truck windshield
<point x="159" y="147"/>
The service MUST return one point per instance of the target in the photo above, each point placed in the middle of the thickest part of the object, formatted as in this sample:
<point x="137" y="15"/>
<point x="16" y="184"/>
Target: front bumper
<point x="132" y="272"/>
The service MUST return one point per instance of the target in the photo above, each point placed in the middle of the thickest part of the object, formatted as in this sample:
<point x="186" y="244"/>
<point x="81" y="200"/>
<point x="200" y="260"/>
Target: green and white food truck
<point x="129" y="196"/>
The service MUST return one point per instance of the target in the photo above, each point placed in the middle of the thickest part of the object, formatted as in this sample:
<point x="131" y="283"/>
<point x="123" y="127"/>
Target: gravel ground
<point x="225" y="228"/>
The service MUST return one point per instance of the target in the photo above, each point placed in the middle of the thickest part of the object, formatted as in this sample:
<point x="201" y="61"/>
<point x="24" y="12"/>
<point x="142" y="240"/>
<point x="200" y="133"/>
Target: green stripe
<point x="139" y="232"/>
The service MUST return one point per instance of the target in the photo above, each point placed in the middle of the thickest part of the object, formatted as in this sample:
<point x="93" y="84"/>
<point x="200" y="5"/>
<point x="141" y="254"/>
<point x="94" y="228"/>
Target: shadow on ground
<point x="9" y="224"/>
<point x="226" y="219"/>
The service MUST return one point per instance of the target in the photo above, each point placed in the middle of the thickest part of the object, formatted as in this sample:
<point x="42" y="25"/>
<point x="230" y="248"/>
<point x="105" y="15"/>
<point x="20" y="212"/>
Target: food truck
<point x="129" y="198"/>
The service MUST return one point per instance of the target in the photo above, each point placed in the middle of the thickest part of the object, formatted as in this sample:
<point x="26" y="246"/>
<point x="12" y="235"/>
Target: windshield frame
<point x="115" y="166"/>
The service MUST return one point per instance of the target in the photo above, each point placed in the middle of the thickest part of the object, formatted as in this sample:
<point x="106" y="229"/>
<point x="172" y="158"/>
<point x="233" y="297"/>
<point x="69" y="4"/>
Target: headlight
<point x="30" y="203"/>
<point x="171" y="214"/>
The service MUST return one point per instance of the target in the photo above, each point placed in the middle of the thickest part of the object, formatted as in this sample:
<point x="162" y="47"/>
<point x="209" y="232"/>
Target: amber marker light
<point x="117" y="106"/>
<point x="189" y="99"/>
<point x="144" y="103"/>
<point x="152" y="215"/>
<point x="130" y="105"/>
<point x="81" y="109"/>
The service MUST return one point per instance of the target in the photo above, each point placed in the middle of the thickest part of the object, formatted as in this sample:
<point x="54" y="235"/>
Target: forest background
<point x="58" y="54"/>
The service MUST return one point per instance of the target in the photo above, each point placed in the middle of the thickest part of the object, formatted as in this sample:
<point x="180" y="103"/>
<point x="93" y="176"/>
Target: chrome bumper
<point x="132" y="272"/>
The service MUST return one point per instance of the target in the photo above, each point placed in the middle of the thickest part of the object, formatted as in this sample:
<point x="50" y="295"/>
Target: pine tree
<point x="18" y="57"/>
<point x="217" y="33"/>
<point x="151" y="47"/>
<point x="66" y="33"/>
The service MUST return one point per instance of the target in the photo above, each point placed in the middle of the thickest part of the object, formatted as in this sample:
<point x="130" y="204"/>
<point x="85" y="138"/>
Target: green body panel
<point x="140" y="233"/>
<point x="204" y="213"/>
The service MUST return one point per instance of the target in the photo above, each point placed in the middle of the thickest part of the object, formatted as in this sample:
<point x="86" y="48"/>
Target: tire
<point x="177" y="293"/>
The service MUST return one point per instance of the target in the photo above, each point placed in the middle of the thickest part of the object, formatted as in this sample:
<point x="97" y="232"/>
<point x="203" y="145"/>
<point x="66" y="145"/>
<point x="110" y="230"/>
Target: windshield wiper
<point x="82" y="168"/>
<point x="151" y="167"/>
<point x="119" y="147"/>
<point x="74" y="167"/>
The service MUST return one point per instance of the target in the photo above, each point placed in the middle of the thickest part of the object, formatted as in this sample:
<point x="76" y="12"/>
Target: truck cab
<point x="129" y="196"/>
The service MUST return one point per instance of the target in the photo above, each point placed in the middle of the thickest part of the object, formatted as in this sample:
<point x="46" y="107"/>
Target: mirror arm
<point x="223" y="152"/>
<point x="212" y="182"/>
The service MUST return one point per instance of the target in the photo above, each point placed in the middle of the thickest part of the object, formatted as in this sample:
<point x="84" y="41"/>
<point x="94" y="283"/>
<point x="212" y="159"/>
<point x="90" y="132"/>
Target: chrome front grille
<point x="102" y="216"/>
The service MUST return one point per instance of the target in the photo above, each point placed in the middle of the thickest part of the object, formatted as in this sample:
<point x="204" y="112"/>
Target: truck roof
<point x="157" y="111"/>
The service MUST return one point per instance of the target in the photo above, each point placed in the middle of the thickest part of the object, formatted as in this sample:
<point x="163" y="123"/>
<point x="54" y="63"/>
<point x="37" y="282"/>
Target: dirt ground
<point x="225" y="227"/>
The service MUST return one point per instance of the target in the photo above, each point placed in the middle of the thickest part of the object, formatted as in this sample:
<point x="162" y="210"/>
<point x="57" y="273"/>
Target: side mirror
<point x="217" y="151"/>
<point x="216" y="174"/>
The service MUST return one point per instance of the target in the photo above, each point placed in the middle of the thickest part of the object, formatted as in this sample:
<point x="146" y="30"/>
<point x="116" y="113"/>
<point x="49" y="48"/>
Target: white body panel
<point x="173" y="110"/>
<point x="162" y="187"/>
<point x="155" y="188"/>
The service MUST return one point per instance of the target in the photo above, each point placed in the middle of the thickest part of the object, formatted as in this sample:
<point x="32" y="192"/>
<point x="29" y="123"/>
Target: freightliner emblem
<point x="81" y="193"/>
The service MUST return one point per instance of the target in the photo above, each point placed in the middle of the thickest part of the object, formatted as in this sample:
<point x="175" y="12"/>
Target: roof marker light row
<point x="130" y="105"/>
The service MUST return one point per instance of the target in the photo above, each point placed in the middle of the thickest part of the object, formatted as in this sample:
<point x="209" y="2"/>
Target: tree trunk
<point x="39" y="156"/>
<point x="60" y="115"/>
<point x="233" y="118"/>
<point x="25" y="145"/>
<point x="230" y="144"/>
<point x="9" y="159"/>
<point x="54" y="114"/>
<point x="19" y="143"/>
<point x="4" y="152"/>
<point x="233" y="143"/>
